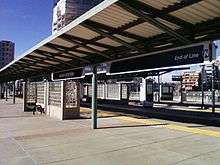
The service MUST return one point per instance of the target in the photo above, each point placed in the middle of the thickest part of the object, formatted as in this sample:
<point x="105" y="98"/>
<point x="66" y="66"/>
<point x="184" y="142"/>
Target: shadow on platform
<point x="132" y="126"/>
<point x="186" y="116"/>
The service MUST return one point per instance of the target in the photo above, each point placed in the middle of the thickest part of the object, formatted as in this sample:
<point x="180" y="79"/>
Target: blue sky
<point x="25" y="22"/>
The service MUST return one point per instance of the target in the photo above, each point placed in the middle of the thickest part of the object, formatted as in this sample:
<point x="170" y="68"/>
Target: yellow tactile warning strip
<point x="100" y="113"/>
<point x="171" y="126"/>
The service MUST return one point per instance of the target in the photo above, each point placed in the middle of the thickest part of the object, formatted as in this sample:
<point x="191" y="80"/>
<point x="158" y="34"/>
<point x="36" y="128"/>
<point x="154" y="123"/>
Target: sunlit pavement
<point x="129" y="140"/>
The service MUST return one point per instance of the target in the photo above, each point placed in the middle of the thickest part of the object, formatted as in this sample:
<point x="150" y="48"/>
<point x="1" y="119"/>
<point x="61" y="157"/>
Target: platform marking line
<point x="136" y="120"/>
<point x="171" y="126"/>
<point x="100" y="113"/>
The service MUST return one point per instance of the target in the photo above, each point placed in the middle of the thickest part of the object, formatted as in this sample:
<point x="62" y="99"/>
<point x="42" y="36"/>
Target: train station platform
<point x="120" y="139"/>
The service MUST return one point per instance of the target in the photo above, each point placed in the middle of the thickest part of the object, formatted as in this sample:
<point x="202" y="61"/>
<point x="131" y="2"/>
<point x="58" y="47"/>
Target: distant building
<point x="65" y="11"/>
<point x="6" y="52"/>
<point x="208" y="70"/>
<point x="190" y="80"/>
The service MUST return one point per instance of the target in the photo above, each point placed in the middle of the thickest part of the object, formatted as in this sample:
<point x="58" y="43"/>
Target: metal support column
<point x="120" y="91"/>
<point x="24" y="96"/>
<point x="213" y="88"/>
<point x="202" y="84"/>
<point x="13" y="92"/>
<point x="35" y="85"/>
<point x="159" y="88"/>
<point x="1" y="91"/>
<point x="6" y="91"/>
<point x="94" y="97"/>
<point x="46" y="96"/>
<point x="128" y="92"/>
<point x="181" y="91"/>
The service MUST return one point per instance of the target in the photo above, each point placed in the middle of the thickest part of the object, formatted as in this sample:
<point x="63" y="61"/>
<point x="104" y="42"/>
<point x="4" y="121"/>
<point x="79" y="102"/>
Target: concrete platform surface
<point x="120" y="140"/>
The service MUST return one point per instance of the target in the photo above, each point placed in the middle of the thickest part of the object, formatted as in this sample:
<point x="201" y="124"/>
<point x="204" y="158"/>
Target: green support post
<point x="13" y="92"/>
<point x="24" y="95"/>
<point x="213" y="88"/>
<point x="6" y="91"/>
<point x="202" y="85"/>
<point x="158" y="80"/>
<point x="181" y="91"/>
<point x="1" y="91"/>
<point x="94" y="97"/>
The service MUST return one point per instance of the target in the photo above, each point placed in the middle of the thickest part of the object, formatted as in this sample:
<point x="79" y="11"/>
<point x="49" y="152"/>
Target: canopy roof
<point x="117" y="29"/>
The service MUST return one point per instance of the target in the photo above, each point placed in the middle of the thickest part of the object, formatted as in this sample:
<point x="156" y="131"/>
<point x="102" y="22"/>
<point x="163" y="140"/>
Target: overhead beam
<point x="70" y="55"/>
<point x="37" y="63"/>
<point x="106" y="34"/>
<point x="86" y="42"/>
<point x="33" y="66"/>
<point x="41" y="61"/>
<point x="119" y="31"/>
<point x="88" y="55"/>
<point x="179" y="5"/>
<point x="53" y="58"/>
<point x="154" y="22"/>
<point x="69" y="39"/>
<point x="156" y="13"/>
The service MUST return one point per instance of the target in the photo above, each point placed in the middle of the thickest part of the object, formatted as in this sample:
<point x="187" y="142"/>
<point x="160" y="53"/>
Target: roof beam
<point x="156" y="13"/>
<point x="106" y="34"/>
<point x="20" y="70"/>
<point x="26" y="66"/>
<point x="85" y="41"/>
<point x="41" y="61"/>
<point x="60" y="48"/>
<point x="88" y="54"/>
<point x="119" y="31"/>
<point x="69" y="39"/>
<point x="51" y="57"/>
<point x="71" y="55"/>
<point x="68" y="65"/>
<point x="154" y="22"/>
<point x="209" y="29"/>
<point x="29" y="66"/>
<point x="180" y="5"/>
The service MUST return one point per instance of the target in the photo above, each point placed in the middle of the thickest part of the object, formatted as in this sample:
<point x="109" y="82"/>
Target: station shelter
<point x="129" y="35"/>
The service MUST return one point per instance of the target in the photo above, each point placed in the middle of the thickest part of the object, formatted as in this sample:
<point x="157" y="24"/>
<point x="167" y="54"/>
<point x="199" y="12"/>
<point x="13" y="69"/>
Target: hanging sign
<point x="69" y="74"/>
<point x="193" y="54"/>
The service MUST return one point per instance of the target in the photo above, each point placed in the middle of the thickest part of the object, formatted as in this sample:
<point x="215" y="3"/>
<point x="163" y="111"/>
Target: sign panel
<point x="182" y="56"/>
<point x="70" y="74"/>
<point x="101" y="68"/>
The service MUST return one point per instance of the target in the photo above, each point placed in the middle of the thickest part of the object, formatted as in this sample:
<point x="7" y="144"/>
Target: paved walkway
<point x="120" y="140"/>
